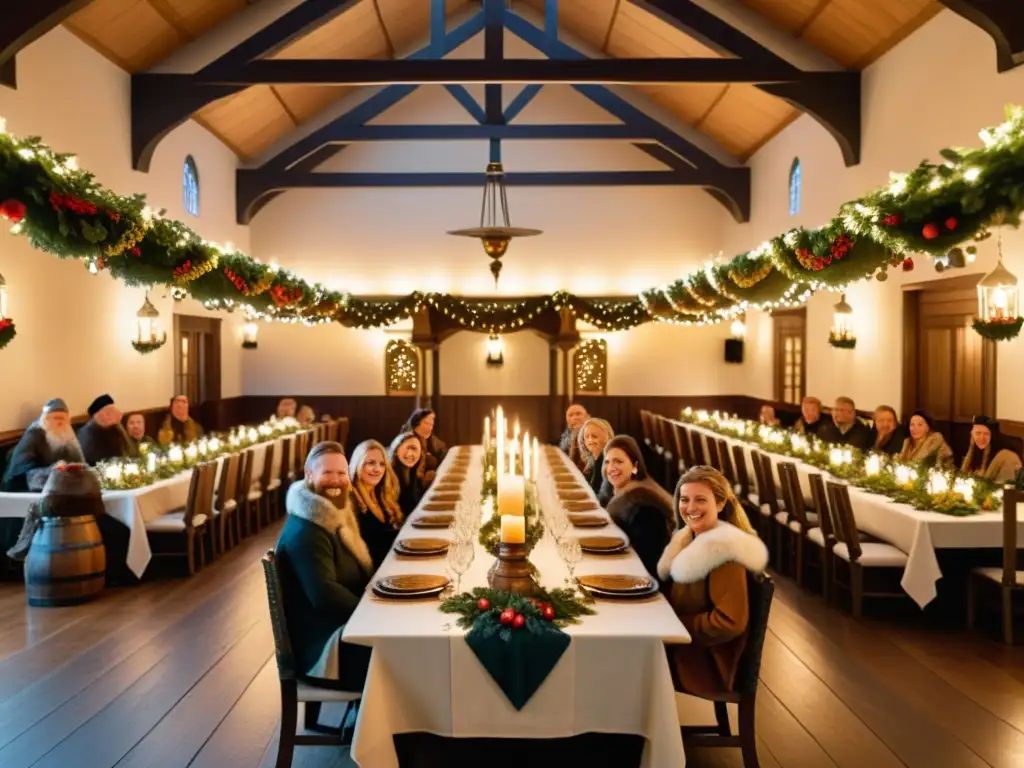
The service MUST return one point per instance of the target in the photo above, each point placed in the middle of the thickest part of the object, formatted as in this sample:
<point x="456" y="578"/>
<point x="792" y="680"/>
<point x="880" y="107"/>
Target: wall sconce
<point x="738" y="329"/>
<point x="7" y="332"/>
<point x="150" y="338"/>
<point x="998" y="303"/>
<point x="495" y="350"/>
<point x="842" y="336"/>
<point x="250" y="335"/>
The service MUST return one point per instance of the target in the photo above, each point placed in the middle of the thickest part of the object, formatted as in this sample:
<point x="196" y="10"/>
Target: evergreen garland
<point x="145" y="347"/>
<point x="997" y="331"/>
<point x="7" y="332"/>
<point x="569" y="606"/>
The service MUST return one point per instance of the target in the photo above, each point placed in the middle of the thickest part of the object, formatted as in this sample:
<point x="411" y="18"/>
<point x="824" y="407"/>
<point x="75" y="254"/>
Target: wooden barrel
<point x="67" y="562"/>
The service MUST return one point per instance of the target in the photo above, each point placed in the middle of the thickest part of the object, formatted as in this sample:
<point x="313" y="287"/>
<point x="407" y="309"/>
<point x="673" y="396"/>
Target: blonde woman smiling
<point x="592" y="437"/>
<point x="375" y="497"/>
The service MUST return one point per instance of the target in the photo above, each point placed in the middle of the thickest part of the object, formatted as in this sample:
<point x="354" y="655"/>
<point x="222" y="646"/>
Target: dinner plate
<point x="452" y="496"/>
<point x="572" y="495"/>
<point x="432" y="521"/>
<point x="581" y="506"/>
<point x="439" y="506"/>
<point x="602" y="542"/>
<point x="638" y="595"/>
<point x="616" y="582"/>
<point x="420" y="545"/>
<point x="388" y="595"/>
<point x="452" y="488"/>
<point x="412" y="582"/>
<point x="587" y="521"/>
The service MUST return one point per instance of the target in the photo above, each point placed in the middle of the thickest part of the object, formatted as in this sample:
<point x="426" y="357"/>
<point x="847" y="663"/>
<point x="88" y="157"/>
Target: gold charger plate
<point x="602" y="543"/>
<point x="616" y="582"/>
<point x="422" y="544"/>
<point x="451" y="488"/>
<point x="445" y="495"/>
<point x="433" y="521"/>
<point x="587" y="521"/>
<point x="581" y="506"/>
<point x="439" y="506"/>
<point x="572" y="495"/>
<point x="412" y="582"/>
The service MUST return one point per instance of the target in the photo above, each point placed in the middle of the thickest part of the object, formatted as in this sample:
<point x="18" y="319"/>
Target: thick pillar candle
<point x="512" y="496"/>
<point x="513" y="529"/>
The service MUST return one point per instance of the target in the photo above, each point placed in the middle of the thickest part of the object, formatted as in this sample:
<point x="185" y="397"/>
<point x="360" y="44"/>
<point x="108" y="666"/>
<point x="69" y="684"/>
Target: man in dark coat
<point x="325" y="568"/>
<point x="47" y="441"/>
<point x="103" y="437"/>
<point x="845" y="428"/>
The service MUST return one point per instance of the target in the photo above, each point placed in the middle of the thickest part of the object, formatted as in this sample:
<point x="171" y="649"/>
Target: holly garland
<point x="936" y="208"/>
<point x="7" y="332"/>
<point x="996" y="330"/>
<point x="510" y="611"/>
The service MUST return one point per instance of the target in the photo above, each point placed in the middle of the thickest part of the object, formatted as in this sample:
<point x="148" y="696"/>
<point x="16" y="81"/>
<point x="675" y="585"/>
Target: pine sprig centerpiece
<point x="566" y="607"/>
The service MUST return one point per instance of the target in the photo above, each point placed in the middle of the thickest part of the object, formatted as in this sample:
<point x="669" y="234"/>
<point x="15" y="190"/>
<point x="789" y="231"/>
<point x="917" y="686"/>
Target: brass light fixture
<point x="495" y="230"/>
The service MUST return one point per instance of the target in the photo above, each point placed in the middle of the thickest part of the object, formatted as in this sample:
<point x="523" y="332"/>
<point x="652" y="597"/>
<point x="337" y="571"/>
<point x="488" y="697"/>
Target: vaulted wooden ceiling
<point x="137" y="34"/>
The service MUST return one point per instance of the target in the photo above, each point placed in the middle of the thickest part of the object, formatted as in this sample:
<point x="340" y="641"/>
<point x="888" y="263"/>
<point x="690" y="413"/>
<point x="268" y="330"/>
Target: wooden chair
<point x="191" y="524"/>
<point x="267" y="485"/>
<point x="801" y="522"/>
<point x="343" y="427"/>
<point x="823" y="537"/>
<point x="739" y="461"/>
<point x="294" y="686"/>
<point x="226" y="503"/>
<point x="700" y="456"/>
<point x="762" y="518"/>
<point x="1007" y="580"/>
<point x="760" y="590"/>
<point x="773" y="514"/>
<point x="878" y="557"/>
<point x="243" y="516"/>
<point x="725" y="459"/>
<point x="683" y="449"/>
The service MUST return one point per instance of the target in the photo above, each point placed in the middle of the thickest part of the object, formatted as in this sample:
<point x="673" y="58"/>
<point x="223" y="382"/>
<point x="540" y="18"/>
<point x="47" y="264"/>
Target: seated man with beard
<point x="103" y="437"/>
<point x="325" y="568"/>
<point x="47" y="441"/>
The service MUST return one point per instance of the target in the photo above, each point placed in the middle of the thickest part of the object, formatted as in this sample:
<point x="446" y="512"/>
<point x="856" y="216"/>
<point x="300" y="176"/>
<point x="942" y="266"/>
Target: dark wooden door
<point x="790" y="355"/>
<point x="197" y="358"/>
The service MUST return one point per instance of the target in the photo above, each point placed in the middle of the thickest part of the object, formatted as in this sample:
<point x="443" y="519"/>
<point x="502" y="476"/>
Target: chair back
<point x="725" y="459"/>
<point x="755" y="458"/>
<point x="343" y="425"/>
<point x="697" y="442"/>
<point x="768" y="492"/>
<point x="229" y="474"/>
<point x="843" y="524"/>
<point x="760" y="591"/>
<point x="200" y="492"/>
<point x="645" y="424"/>
<point x="1011" y="498"/>
<point x="267" y="476"/>
<point x="822" y="506"/>
<point x="683" y="449"/>
<point x="739" y="461"/>
<point x="278" y="622"/>
<point x="793" y="494"/>
<point x="245" y="477"/>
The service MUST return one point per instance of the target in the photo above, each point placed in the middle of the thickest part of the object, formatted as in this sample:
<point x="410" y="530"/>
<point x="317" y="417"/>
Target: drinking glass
<point x="465" y="530"/>
<point x="571" y="553"/>
<point x="559" y="523"/>
<point x="460" y="557"/>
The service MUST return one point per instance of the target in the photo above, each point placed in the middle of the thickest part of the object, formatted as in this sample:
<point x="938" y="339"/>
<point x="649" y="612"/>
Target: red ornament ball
<point x="908" y="264"/>
<point x="951" y="223"/>
<point x="892" y="219"/>
<point x="930" y="231"/>
<point x="548" y="613"/>
<point x="12" y="210"/>
<point x="483" y="603"/>
<point x="507" y="616"/>
<point x="518" y="621"/>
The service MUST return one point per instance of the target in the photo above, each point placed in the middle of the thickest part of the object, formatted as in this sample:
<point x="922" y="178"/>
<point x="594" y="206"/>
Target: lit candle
<point x="527" y="468"/>
<point x="175" y="454"/>
<point x="904" y="475"/>
<point x="112" y="473"/>
<point x="965" y="487"/>
<point x="131" y="468"/>
<point x="873" y="465"/>
<point x="515" y="430"/>
<point x="214" y="444"/>
<point x="513" y="529"/>
<point x="512" y="496"/>
<point x="536" y="458"/>
<point x="512" y="457"/>
<point x="937" y="483"/>
<point x="253" y="435"/>
<point x="487" y="431"/>
<point x="499" y="438"/>
<point x="151" y="463"/>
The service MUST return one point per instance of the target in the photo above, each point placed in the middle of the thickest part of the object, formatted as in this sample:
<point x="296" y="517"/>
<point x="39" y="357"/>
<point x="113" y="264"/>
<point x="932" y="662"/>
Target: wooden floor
<point x="180" y="673"/>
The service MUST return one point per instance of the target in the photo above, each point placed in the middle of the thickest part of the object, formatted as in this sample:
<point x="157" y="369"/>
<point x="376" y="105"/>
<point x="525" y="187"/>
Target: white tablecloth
<point x="423" y="677"/>
<point x="138" y="506"/>
<point x="917" y="532"/>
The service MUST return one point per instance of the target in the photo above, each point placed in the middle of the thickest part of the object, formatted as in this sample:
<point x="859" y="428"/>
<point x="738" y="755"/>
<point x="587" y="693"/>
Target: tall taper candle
<point x="527" y="466"/>
<point x="512" y="457"/>
<point x="499" y="422"/>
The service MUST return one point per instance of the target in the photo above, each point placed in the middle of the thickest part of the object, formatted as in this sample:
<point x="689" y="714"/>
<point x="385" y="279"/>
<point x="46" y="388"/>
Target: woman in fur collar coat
<point x="325" y="568"/>
<point x="924" y="444"/>
<point x="375" y="495"/>
<point x="707" y="563"/>
<point x="988" y="457"/>
<point x="640" y="507"/>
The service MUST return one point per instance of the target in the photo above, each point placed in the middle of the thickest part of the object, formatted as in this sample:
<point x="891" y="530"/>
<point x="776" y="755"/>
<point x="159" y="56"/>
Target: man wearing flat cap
<point x="103" y="437"/>
<point x="48" y="440"/>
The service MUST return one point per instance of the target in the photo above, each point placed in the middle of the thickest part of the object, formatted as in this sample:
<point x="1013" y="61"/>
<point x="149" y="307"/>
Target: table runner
<point x="423" y="677"/>
<point x="917" y="532"/>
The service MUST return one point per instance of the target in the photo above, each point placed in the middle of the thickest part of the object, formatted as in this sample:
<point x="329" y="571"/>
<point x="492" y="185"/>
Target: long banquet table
<point x="423" y="677"/>
<point x="134" y="508"/>
<point x="917" y="532"/>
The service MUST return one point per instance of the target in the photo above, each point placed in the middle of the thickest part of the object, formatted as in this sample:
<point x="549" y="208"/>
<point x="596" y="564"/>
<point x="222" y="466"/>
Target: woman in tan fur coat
<point x="707" y="563"/>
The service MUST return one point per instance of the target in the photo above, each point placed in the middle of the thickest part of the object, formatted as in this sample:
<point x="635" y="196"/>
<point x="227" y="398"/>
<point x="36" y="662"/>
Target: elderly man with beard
<point x="46" y="442"/>
<point x="325" y="567"/>
<point x="103" y="437"/>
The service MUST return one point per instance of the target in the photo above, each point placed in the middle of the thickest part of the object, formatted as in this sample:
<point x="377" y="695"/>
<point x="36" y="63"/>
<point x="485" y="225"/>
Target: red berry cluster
<point x="238" y="282"/>
<point x="12" y="210"/>
<point x="892" y="220"/>
<point x="809" y="261"/>
<point x="841" y="247"/>
<point x="931" y="231"/>
<point x="6" y="323"/>
<point x="136" y="251"/>
<point x="114" y="216"/>
<point x="283" y="296"/>
<point x="75" y="204"/>
<point x="509" y="616"/>
<point x="183" y="269"/>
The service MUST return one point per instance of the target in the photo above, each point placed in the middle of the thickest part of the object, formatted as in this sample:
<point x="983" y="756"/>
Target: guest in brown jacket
<point x="707" y="562"/>
<point x="988" y="457"/>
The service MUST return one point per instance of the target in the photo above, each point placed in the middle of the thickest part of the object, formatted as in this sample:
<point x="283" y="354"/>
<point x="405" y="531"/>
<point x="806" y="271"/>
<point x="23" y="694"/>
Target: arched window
<point x="401" y="368"/>
<point x="591" y="367"/>
<point x="795" y="187"/>
<point x="190" y="186"/>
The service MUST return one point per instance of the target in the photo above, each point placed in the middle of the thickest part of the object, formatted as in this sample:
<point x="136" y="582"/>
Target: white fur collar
<point x="302" y="502"/>
<point x="688" y="559"/>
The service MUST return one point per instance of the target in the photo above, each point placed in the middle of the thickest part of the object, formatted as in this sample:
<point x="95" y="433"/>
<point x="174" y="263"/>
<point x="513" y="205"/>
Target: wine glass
<point x="559" y="523"/>
<point x="571" y="553"/>
<point x="460" y="557"/>
<point x="464" y="530"/>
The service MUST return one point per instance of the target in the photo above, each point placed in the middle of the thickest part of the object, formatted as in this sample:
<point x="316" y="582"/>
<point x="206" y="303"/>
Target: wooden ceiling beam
<point x="25" y="22"/>
<point x="832" y="97"/>
<point x="161" y="101"/>
<point x="1003" y="20"/>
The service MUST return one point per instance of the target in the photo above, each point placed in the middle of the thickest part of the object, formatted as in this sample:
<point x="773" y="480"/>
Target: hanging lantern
<point x="495" y="231"/>
<point x="7" y="332"/>
<point x="250" y="335"/>
<point x="998" y="304"/>
<point x="842" y="326"/>
<point x="495" y="350"/>
<point x="738" y="329"/>
<point x="149" y="337"/>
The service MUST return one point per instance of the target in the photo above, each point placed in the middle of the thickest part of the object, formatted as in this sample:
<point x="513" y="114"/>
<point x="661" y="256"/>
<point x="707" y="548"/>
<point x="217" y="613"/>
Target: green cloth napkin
<point x="519" y="660"/>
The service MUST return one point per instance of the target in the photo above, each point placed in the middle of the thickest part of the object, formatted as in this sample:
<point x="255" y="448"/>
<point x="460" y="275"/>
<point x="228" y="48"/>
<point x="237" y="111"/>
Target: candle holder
<point x="512" y="571"/>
